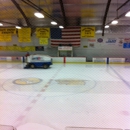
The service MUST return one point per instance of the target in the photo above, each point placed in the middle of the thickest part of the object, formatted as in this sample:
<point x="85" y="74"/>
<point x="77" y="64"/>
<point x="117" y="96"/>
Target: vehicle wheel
<point x="45" y="66"/>
<point x="32" y="66"/>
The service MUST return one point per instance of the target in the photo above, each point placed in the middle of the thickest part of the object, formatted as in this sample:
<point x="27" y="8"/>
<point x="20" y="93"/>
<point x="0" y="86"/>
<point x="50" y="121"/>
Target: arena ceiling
<point x="94" y="13"/>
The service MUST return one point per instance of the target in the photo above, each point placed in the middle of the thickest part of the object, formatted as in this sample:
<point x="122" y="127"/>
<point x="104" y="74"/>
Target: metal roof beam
<point x="105" y="16"/>
<point x="21" y="11"/>
<point x="63" y="12"/>
<point x="8" y="22"/>
<point x="118" y="17"/>
<point x="123" y="5"/>
<point x="28" y="2"/>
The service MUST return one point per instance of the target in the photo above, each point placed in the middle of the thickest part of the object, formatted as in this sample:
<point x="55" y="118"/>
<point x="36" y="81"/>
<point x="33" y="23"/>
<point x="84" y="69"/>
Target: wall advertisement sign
<point x="64" y="48"/>
<point x="100" y="40"/>
<point x="111" y="41"/>
<point x="87" y="32"/>
<point x="126" y="43"/>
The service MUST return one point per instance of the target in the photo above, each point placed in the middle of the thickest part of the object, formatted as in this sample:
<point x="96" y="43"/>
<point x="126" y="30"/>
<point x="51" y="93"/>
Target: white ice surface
<point x="103" y="101"/>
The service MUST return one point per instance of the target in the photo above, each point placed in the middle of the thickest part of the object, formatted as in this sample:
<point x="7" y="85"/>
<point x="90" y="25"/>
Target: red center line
<point x="34" y="101"/>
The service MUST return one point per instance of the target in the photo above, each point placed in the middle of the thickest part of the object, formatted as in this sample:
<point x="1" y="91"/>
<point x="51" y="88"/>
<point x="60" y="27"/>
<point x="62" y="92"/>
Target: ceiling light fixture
<point x="107" y="26"/>
<point x="39" y="15"/>
<point x="99" y="31"/>
<point x="54" y="23"/>
<point x="18" y="27"/>
<point x="61" y="27"/>
<point x="128" y="14"/>
<point x="114" y="22"/>
<point x="1" y="24"/>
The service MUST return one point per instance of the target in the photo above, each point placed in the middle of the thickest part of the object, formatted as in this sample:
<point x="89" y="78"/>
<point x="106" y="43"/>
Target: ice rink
<point x="65" y="96"/>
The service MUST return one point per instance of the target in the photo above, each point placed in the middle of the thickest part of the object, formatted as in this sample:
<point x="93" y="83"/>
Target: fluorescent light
<point x="107" y="26"/>
<point x="114" y="22"/>
<point x="128" y="14"/>
<point x="99" y="31"/>
<point x="54" y="23"/>
<point x="39" y="15"/>
<point x="1" y="24"/>
<point x="61" y="27"/>
<point x="18" y="27"/>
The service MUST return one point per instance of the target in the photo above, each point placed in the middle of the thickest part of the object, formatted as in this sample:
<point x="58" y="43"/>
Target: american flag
<point x="68" y="36"/>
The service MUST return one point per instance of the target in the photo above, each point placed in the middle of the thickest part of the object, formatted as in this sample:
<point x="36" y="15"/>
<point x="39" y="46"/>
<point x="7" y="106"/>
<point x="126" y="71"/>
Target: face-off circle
<point x="27" y="81"/>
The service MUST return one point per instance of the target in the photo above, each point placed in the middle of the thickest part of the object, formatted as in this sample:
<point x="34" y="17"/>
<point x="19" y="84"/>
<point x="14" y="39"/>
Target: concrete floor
<point x="65" y="96"/>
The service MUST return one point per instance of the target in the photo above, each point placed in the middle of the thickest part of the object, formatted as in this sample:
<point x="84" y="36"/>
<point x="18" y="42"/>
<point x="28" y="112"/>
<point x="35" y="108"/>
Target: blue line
<point x="128" y="85"/>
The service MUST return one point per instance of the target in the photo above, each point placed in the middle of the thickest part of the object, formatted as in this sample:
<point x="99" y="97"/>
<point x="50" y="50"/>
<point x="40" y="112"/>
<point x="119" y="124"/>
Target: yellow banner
<point x="17" y="48"/>
<point x="9" y="31"/>
<point x="10" y="48"/>
<point x="24" y="35"/>
<point x="87" y="32"/>
<point x="2" y="48"/>
<point x="43" y="41"/>
<point x="27" y="48"/>
<point x="26" y="32"/>
<point x="87" y="13"/>
<point x="43" y="32"/>
<point x="5" y="38"/>
<point x="24" y="39"/>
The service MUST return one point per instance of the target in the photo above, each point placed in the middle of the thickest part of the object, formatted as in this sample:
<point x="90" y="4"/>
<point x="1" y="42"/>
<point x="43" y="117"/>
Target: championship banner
<point x="27" y="48"/>
<point x="87" y="32"/>
<point x="24" y="32"/>
<point x="24" y="35"/>
<point x="43" y="41"/>
<point x="2" y="48"/>
<point x="24" y="39"/>
<point x="43" y="32"/>
<point x="5" y="38"/>
<point x="9" y="31"/>
<point x="17" y="48"/>
<point x="87" y="13"/>
<point x="10" y="48"/>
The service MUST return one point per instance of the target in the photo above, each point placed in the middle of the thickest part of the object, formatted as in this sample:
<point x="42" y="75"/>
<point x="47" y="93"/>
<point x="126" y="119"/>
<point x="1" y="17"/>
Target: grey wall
<point x="104" y="49"/>
<point x="98" y="50"/>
